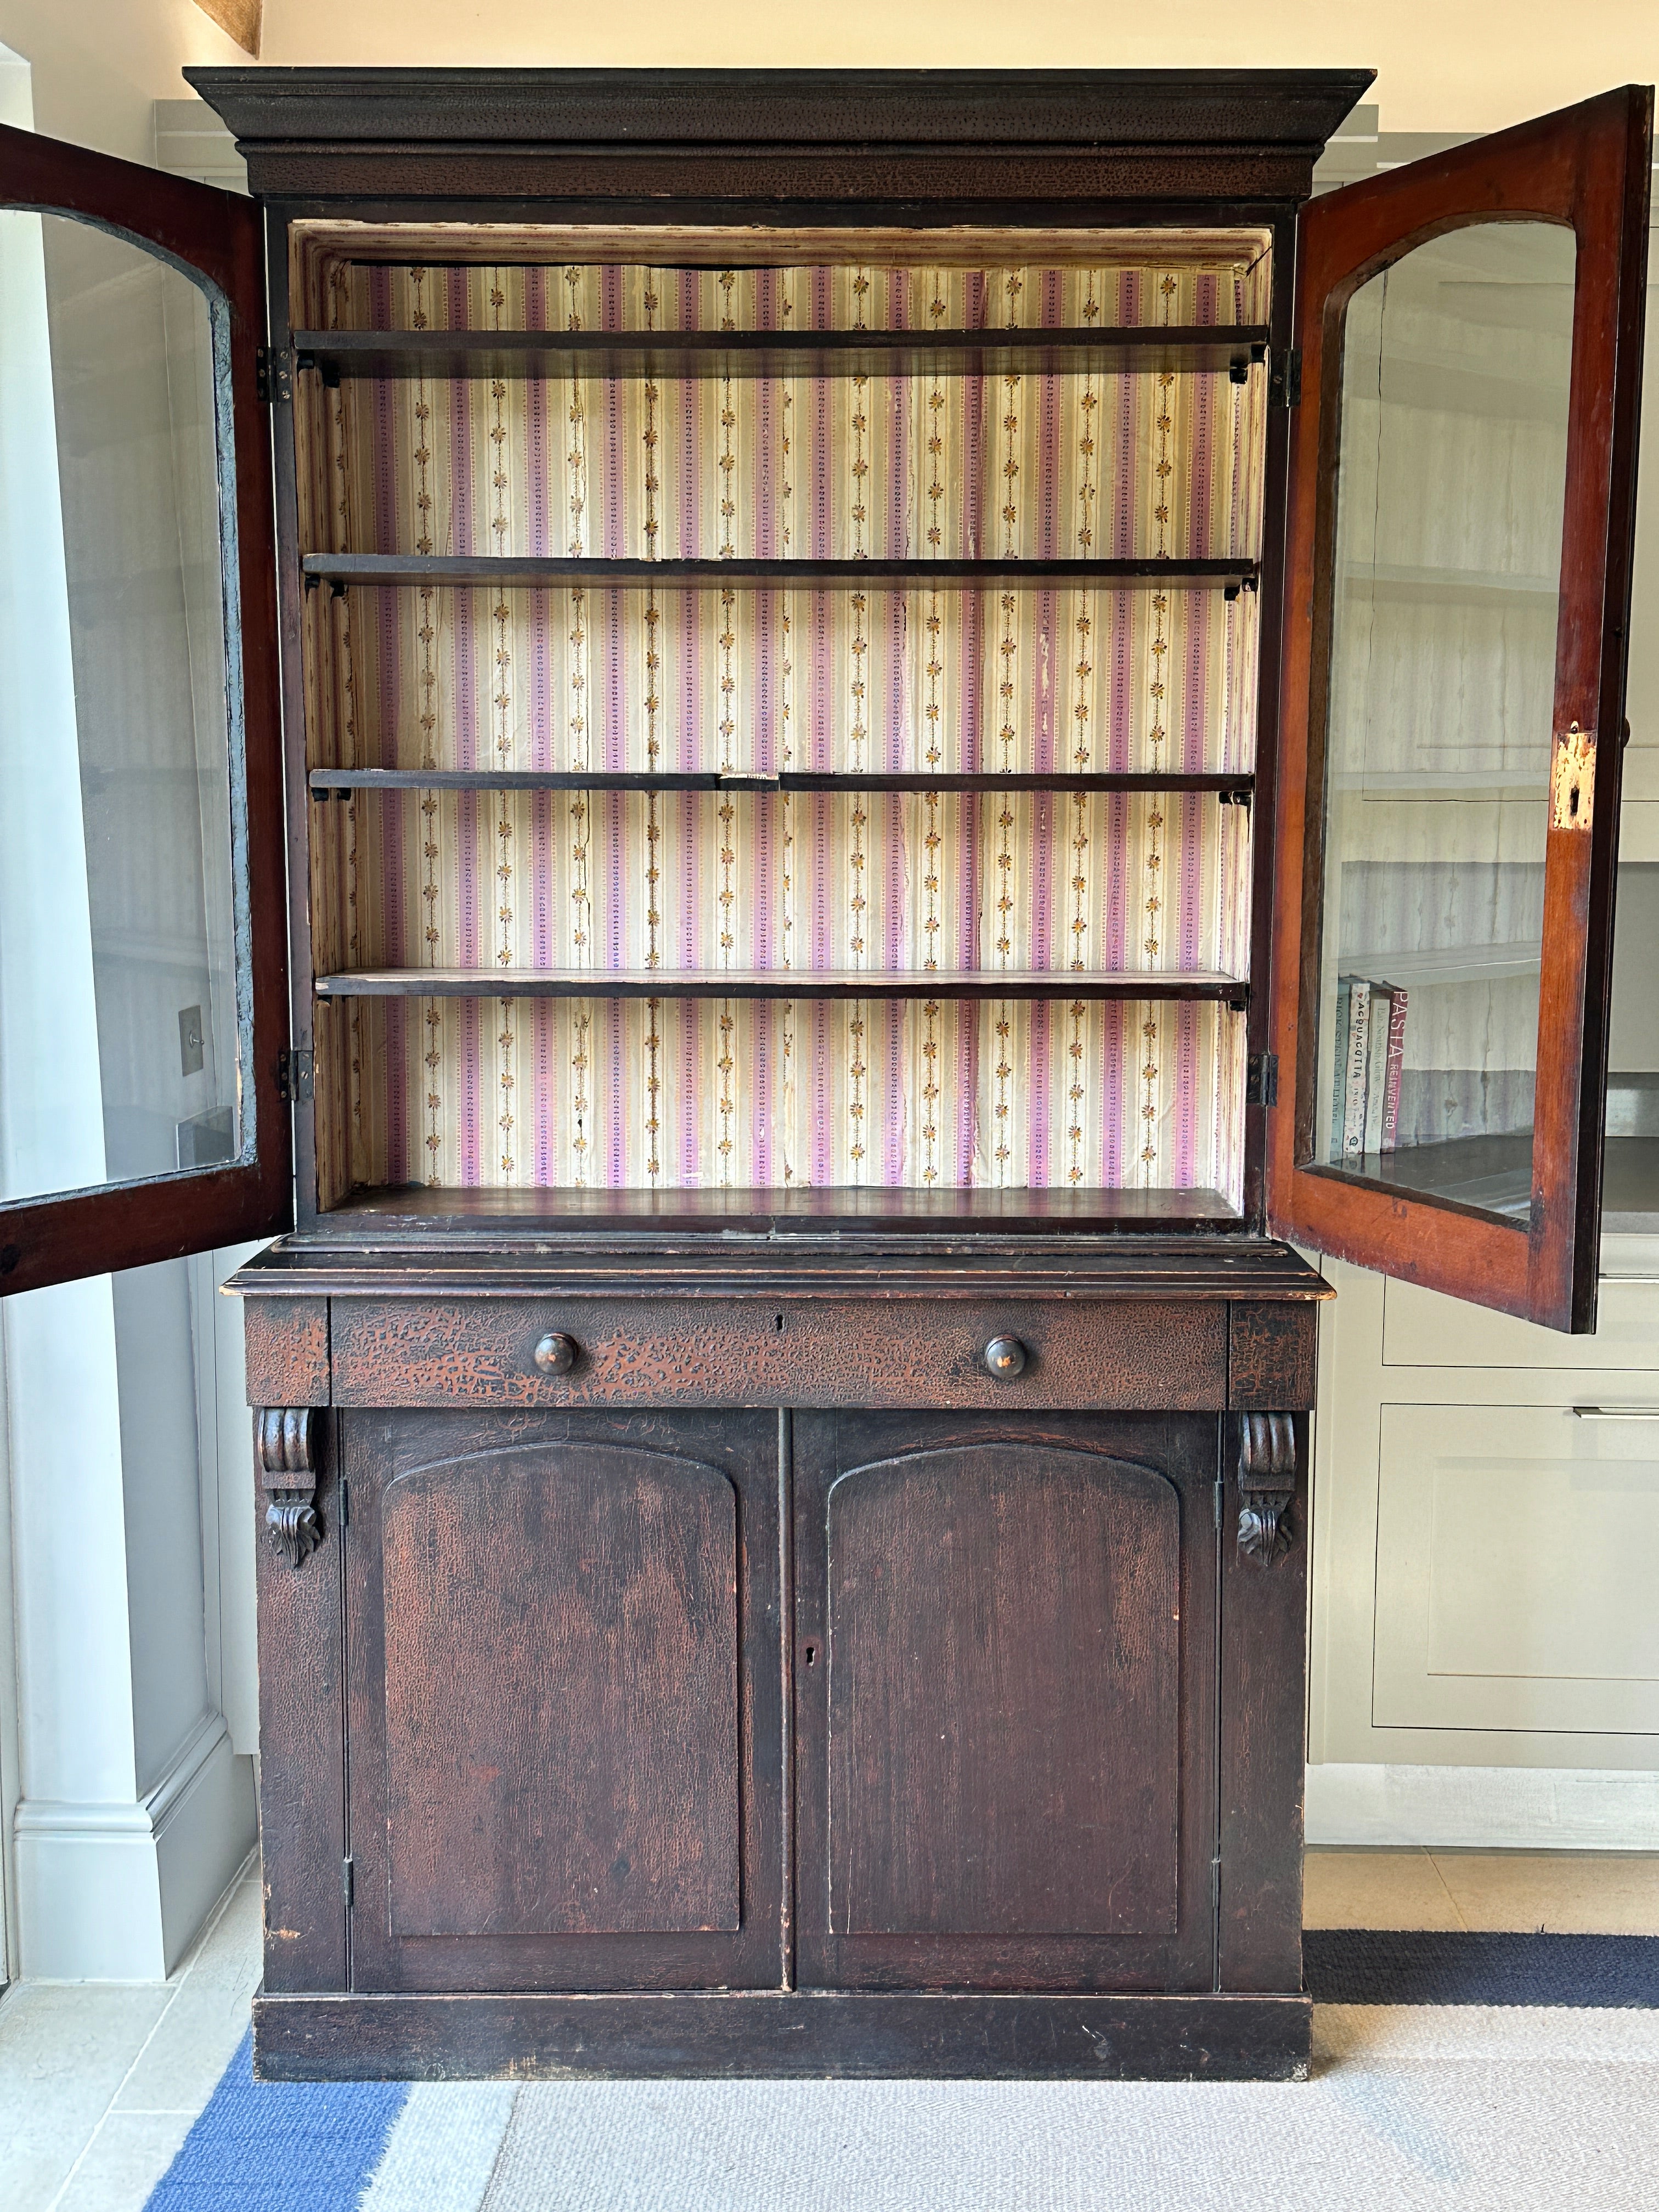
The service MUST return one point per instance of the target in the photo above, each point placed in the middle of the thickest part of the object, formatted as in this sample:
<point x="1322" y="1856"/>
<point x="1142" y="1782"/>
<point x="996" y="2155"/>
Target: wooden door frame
<point x="1586" y="168"/>
<point x="218" y="236"/>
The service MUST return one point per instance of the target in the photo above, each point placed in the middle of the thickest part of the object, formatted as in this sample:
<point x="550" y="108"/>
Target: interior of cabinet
<point x="781" y="724"/>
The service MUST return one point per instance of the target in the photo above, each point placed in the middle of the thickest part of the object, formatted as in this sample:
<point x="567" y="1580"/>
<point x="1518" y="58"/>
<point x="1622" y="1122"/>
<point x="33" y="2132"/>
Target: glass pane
<point x="1454" y="431"/>
<point x="120" y="1043"/>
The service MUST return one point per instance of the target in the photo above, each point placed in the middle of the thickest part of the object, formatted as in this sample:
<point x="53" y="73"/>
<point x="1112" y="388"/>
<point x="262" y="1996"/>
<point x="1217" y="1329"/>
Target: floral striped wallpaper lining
<point x="505" y="1092"/>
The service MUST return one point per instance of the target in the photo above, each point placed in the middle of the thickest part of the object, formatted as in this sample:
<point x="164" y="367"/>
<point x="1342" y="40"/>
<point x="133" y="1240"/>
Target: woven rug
<point x="1521" y="2076"/>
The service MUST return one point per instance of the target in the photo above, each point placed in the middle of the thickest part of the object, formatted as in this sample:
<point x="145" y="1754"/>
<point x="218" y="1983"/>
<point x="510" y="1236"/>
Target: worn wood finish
<point x="748" y="1351"/>
<point x="302" y="1752"/>
<point x="1004" y="1659"/>
<point x="1272" y="1356"/>
<point x="777" y="2035"/>
<point x="1588" y="168"/>
<point x="286" y="1342"/>
<point x="1002" y="1653"/>
<point x="561" y="1625"/>
<point x="564" y="1701"/>
<point x="133" y="1225"/>
<point x="852" y="136"/>
<point x="1263" y="1736"/>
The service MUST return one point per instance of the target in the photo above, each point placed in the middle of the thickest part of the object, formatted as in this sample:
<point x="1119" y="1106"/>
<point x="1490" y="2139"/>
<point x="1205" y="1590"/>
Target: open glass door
<point x="1461" y="510"/>
<point x="144" y="991"/>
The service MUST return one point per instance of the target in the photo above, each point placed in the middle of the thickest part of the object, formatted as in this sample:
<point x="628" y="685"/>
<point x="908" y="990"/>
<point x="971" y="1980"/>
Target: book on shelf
<point x="1370" y="1063"/>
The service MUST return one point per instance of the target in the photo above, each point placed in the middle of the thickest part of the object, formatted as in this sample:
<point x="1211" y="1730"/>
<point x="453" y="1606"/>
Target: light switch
<point x="190" y="1040"/>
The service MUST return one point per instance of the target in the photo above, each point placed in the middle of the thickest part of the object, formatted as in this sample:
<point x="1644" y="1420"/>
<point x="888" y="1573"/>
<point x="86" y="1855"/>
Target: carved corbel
<point x="1267" y="1485"/>
<point x="284" y="1449"/>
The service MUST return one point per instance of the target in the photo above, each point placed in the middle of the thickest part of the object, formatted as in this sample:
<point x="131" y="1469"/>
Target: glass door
<point x="143" y="968"/>
<point x="1461" y="517"/>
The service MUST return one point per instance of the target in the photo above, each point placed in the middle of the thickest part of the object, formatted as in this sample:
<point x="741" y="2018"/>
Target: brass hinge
<point x="296" y="1076"/>
<point x="1285" y="377"/>
<point x="349" y="1882"/>
<point x="274" y="373"/>
<point x="1262" y="1079"/>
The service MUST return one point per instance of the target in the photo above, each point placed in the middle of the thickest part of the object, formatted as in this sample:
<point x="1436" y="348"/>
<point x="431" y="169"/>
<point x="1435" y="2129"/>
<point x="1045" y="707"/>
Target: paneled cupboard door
<point x="1460" y="519"/>
<point x="144" y="989"/>
<point x="563" y="1701"/>
<point x="1004" y="1680"/>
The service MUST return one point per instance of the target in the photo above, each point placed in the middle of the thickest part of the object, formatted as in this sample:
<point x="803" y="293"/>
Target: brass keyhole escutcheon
<point x="556" y="1353"/>
<point x="1005" y="1357"/>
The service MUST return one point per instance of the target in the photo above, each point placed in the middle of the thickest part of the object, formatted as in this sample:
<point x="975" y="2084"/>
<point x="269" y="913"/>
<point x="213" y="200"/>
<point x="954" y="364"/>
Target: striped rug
<point x="1472" y="2074"/>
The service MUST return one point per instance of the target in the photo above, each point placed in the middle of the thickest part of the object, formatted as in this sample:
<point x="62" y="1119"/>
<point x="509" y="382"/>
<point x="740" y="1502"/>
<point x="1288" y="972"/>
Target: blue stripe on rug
<point x="1377" y="1967"/>
<point x="280" y="2146"/>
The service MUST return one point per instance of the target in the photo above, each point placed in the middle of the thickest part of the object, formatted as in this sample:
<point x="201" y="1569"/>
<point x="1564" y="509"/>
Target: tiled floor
<point x="99" y="2084"/>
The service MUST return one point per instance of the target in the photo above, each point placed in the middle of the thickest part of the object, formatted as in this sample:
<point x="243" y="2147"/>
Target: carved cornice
<point x="1266" y="1485"/>
<point x="284" y="1450"/>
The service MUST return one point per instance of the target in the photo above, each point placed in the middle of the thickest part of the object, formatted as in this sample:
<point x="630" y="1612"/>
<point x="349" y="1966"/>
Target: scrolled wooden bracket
<point x="1266" y="1485"/>
<point x="284" y="1449"/>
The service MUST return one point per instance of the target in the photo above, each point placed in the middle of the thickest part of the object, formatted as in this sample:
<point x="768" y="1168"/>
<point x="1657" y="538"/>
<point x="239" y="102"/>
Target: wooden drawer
<point x="1144" y="1354"/>
<point x="1420" y="1328"/>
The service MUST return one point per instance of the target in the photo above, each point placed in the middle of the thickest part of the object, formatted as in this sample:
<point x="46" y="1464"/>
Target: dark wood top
<point x="781" y="135"/>
<point x="873" y="1244"/>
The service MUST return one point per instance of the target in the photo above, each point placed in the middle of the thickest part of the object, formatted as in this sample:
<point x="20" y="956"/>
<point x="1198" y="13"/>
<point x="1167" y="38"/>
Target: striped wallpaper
<point x="507" y="1092"/>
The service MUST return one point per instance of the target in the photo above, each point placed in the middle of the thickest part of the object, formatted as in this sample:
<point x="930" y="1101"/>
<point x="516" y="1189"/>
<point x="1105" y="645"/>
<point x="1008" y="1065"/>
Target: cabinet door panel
<point x="1003" y="1653"/>
<point x="586" y="1784"/>
<point x="1457" y="618"/>
<point x="565" y="1723"/>
<point x="1005" y="1688"/>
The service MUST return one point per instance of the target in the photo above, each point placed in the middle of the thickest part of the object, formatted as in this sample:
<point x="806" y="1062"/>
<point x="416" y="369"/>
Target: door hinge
<point x="295" y="1076"/>
<point x="273" y="370"/>
<point x="349" y="1882"/>
<point x="1262" y="1079"/>
<point x="1285" y="377"/>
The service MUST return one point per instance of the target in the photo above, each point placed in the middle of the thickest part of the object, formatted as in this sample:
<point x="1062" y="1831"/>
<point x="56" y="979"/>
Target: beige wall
<point x="1443" y="65"/>
<point x="98" y="66"/>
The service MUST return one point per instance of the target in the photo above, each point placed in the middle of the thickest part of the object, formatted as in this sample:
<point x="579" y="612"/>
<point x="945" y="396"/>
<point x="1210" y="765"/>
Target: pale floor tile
<point x="194" y="2041"/>
<point x="1558" y="1893"/>
<point x="65" y="2050"/>
<point x="124" y="2161"/>
<point x="1375" y="1889"/>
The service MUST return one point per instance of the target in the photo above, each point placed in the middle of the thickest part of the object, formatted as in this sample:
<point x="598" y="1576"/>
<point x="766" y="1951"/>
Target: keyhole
<point x="778" y="1323"/>
<point x="1572" y="801"/>
<point x="812" y="1655"/>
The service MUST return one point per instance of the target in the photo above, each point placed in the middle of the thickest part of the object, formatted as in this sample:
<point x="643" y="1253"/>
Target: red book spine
<point x="1394" y="1068"/>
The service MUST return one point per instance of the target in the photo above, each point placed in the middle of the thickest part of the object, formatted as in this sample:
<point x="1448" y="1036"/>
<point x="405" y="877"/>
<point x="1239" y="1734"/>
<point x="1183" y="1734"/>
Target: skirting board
<point x="111" y="1892"/>
<point x="780" y="2035"/>
<point x="1540" y="1808"/>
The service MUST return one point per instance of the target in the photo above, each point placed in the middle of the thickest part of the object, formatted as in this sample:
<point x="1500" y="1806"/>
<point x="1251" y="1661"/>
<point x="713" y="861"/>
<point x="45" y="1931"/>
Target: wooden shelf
<point x="776" y="983"/>
<point x="339" y="354"/>
<point x="505" y="571"/>
<point x="325" y="782"/>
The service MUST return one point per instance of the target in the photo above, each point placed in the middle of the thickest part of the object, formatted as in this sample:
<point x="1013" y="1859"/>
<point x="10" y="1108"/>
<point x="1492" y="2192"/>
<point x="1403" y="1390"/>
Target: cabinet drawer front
<point x="1132" y="1354"/>
<point x="1420" y="1328"/>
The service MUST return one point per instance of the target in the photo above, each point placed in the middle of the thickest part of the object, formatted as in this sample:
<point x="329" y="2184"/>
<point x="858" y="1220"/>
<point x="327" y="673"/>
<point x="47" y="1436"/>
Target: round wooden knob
<point x="555" y="1354"/>
<point x="1005" y="1356"/>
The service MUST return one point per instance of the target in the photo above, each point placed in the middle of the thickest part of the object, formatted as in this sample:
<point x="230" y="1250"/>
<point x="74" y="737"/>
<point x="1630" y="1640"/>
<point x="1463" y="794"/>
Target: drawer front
<point x="1151" y="1354"/>
<point x="1421" y="1328"/>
